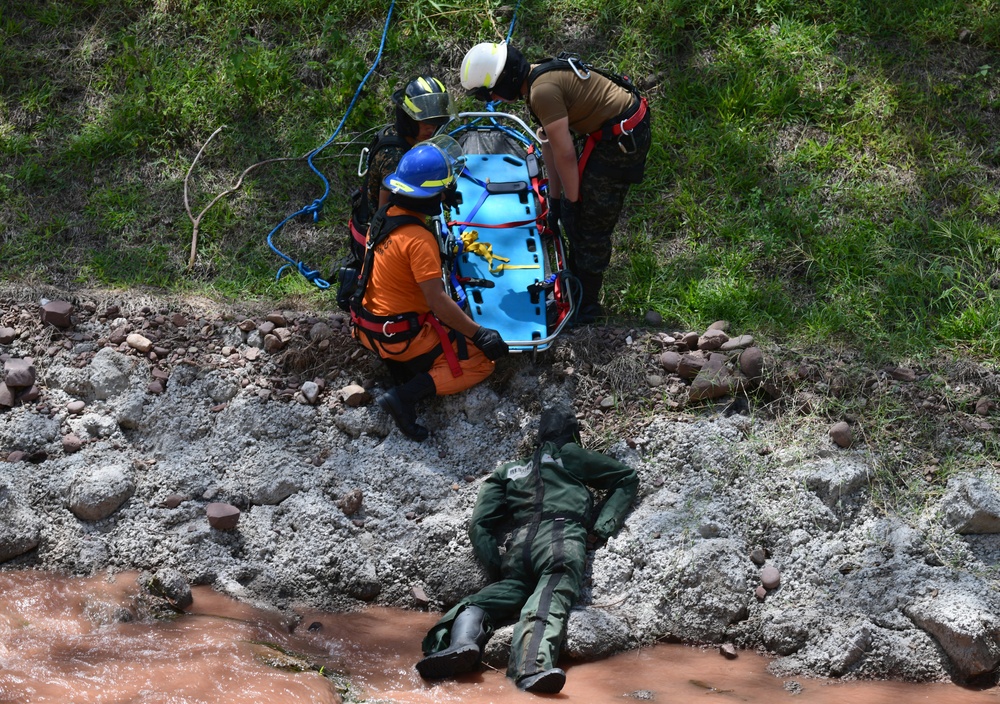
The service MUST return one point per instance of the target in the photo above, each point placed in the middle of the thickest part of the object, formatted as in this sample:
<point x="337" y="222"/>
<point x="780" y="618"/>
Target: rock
<point x="419" y="596"/>
<point x="310" y="392"/>
<point x="654" y="380"/>
<point x="178" y="320"/>
<point x="770" y="578"/>
<point x="902" y="374"/>
<point x="155" y="387"/>
<point x="355" y="395"/>
<point x="713" y="380"/>
<point x="266" y="328"/>
<point x="690" y="364"/>
<point x="16" y="456"/>
<point x="20" y="373"/>
<point x="841" y="434"/>
<point x="722" y="325"/>
<point x="351" y="503"/>
<point x="594" y="633"/>
<point x="670" y="360"/>
<point x="174" y="500"/>
<point x="737" y="343"/>
<point x="690" y="340"/>
<point x="172" y="586"/>
<point x="984" y="406"/>
<point x="760" y="592"/>
<point x="752" y="363"/>
<point x="273" y="343"/>
<point x="7" y="398"/>
<point x="834" y="477"/>
<point x="653" y="318"/>
<point x="99" y="492"/>
<point x="71" y="443"/>
<point x="728" y="651"/>
<point x="277" y="318"/>
<point x="20" y="527"/>
<point x="320" y="331"/>
<point x="712" y="339"/>
<point x="964" y="626"/>
<point x="971" y="506"/>
<point x="247" y="326"/>
<point x="222" y="516"/>
<point x="758" y="555"/>
<point x="140" y="343"/>
<point x="58" y="314"/>
<point x="7" y="335"/>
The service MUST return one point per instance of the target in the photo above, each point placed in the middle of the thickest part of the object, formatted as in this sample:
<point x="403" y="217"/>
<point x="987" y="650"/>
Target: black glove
<point x="490" y="342"/>
<point x="555" y="211"/>
<point x="568" y="211"/>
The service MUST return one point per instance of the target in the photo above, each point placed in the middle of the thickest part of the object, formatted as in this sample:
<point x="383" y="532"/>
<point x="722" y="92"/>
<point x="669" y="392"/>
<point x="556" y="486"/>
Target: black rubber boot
<point x="468" y="638"/>
<point x="545" y="682"/>
<point x="400" y="403"/>
<point x="590" y="299"/>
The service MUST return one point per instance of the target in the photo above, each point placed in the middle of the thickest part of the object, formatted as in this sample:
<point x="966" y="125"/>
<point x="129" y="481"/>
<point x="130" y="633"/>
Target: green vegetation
<point x="822" y="170"/>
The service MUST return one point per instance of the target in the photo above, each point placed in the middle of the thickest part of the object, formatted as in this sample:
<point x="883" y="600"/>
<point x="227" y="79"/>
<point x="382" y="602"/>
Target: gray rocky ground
<point x="239" y="447"/>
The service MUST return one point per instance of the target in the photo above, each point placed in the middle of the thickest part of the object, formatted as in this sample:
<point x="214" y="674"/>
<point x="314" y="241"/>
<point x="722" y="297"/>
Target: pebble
<point x="222" y="516"/>
<point x="76" y="407"/>
<point x="770" y="578"/>
<point x="138" y="342"/>
<point x="71" y="443"/>
<point x="841" y="434"/>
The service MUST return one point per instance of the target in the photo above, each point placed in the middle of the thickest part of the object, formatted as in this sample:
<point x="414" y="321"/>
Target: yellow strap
<point x="471" y="244"/>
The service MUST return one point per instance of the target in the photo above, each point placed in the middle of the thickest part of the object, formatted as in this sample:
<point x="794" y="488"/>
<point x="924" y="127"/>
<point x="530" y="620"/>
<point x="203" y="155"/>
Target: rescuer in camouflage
<point x="547" y="500"/>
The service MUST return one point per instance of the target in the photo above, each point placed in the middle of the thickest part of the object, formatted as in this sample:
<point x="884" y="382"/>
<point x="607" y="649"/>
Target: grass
<point x="822" y="171"/>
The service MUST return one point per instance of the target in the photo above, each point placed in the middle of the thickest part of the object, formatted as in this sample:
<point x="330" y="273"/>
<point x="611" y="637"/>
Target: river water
<point x="63" y="641"/>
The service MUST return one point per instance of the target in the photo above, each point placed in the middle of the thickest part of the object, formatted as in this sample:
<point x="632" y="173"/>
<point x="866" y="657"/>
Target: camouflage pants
<point x="606" y="179"/>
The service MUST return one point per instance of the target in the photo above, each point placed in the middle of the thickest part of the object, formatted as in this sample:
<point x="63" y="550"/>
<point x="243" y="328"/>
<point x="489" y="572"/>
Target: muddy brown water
<point x="62" y="642"/>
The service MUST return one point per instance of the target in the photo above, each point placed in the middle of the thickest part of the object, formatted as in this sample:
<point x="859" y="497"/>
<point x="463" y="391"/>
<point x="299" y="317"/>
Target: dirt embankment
<point x="868" y="556"/>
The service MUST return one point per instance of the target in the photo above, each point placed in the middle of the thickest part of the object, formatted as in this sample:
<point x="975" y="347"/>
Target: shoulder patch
<point x="518" y="471"/>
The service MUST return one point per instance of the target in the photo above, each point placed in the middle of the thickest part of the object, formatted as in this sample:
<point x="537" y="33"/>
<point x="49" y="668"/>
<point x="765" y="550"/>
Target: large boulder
<point x="19" y="526"/>
<point x="98" y="492"/>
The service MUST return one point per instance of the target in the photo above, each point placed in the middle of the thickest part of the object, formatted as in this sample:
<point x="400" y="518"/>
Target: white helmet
<point x="483" y="64"/>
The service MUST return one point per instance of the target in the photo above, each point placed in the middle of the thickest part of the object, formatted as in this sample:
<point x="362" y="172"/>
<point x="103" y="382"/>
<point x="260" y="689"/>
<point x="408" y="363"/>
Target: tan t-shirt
<point x="587" y="103"/>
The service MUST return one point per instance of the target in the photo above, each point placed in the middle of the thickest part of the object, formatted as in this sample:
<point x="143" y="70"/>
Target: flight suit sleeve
<point x="606" y="474"/>
<point x="489" y="513"/>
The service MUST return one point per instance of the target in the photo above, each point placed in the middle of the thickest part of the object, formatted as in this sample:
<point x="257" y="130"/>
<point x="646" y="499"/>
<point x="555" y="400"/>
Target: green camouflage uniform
<point x="541" y="573"/>
<point x="606" y="179"/>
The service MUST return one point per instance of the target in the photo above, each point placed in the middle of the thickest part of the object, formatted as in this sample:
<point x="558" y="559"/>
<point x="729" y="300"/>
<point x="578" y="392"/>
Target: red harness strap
<point x="622" y="127"/>
<point x="388" y="329"/>
<point x="359" y="236"/>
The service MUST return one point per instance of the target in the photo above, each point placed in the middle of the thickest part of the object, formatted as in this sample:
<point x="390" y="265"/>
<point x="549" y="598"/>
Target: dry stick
<point x="196" y="221"/>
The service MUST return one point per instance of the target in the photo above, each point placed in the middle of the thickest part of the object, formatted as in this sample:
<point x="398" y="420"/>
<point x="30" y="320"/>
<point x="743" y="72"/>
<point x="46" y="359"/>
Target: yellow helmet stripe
<point x="410" y="104"/>
<point x="438" y="182"/>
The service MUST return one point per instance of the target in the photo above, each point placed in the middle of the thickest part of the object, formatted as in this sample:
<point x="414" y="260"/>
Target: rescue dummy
<point x="547" y="501"/>
<point x="587" y="191"/>
<point x="398" y="303"/>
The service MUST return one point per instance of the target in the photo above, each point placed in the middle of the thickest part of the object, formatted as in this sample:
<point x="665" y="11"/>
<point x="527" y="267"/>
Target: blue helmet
<point x="427" y="169"/>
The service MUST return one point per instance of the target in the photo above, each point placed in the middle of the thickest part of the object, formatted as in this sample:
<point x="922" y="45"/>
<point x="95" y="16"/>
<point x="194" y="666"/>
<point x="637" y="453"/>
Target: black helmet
<point x="425" y="99"/>
<point x="558" y="424"/>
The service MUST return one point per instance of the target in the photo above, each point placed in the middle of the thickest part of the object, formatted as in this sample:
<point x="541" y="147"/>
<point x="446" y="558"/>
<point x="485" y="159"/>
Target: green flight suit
<point x="541" y="573"/>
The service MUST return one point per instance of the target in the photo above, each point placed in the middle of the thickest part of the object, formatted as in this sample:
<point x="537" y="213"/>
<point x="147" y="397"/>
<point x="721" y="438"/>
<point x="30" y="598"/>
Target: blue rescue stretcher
<point x="508" y="270"/>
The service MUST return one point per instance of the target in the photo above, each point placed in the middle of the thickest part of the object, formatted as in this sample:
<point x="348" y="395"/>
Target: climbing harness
<point x="402" y="327"/>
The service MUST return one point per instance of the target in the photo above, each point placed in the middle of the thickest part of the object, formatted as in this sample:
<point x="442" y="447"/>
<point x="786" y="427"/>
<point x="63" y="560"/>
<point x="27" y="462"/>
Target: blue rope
<point x="316" y="206"/>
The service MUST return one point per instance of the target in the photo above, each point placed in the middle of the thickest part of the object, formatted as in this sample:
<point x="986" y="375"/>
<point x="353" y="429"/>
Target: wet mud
<point x="85" y="641"/>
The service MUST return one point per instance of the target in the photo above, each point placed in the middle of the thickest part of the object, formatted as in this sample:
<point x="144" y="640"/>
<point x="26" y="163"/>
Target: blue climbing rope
<point x="313" y="275"/>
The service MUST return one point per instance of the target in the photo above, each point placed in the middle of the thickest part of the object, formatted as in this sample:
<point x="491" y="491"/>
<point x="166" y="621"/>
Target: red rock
<point x="58" y="314"/>
<point x="71" y="443"/>
<point x="760" y="593"/>
<point x="16" y="456"/>
<point x="669" y="360"/>
<point x="75" y="407"/>
<point x="222" y="516"/>
<point x="155" y="387"/>
<point x="20" y="373"/>
<point x="6" y="396"/>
